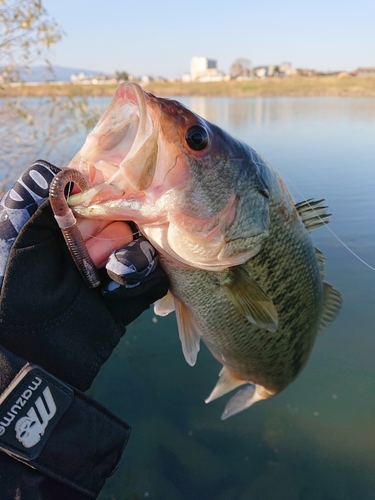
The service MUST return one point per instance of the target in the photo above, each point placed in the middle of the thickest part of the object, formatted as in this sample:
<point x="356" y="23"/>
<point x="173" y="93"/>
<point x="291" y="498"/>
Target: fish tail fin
<point x="244" y="398"/>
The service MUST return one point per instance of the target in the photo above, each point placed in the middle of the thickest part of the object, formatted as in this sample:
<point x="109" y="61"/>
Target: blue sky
<point x="160" y="37"/>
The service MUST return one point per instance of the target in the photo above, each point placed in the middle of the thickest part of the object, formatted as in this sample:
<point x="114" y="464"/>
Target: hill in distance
<point x="59" y="73"/>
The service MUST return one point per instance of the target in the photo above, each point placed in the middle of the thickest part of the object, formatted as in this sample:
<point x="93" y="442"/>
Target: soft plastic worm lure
<point x="67" y="222"/>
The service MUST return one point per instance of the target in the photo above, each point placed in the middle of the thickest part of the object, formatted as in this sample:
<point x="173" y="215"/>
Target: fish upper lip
<point x="130" y="105"/>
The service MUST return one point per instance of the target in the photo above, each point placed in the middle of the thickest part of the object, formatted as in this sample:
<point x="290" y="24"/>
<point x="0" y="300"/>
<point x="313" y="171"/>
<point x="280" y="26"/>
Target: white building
<point x="204" y="69"/>
<point x="285" y="69"/>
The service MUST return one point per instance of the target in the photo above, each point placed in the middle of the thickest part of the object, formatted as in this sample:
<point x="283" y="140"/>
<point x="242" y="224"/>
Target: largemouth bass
<point x="244" y="274"/>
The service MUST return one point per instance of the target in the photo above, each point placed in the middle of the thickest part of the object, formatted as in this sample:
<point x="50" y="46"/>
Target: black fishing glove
<point x="50" y="318"/>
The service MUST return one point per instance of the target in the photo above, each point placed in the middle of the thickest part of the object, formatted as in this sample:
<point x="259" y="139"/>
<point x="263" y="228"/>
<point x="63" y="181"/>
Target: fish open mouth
<point x="141" y="167"/>
<point x="120" y="154"/>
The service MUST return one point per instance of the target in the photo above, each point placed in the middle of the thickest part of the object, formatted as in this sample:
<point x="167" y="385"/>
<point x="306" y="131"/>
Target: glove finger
<point x="132" y="263"/>
<point x="137" y="299"/>
<point x="20" y="203"/>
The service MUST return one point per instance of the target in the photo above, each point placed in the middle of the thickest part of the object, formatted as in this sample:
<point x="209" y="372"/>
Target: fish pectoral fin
<point x="244" y="398"/>
<point x="332" y="301"/>
<point x="165" y="305"/>
<point x="250" y="299"/>
<point x="187" y="332"/>
<point x="226" y="383"/>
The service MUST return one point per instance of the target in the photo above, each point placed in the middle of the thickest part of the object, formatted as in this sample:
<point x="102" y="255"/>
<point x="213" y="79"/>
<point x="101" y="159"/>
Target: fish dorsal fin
<point x="313" y="213"/>
<point x="226" y="383"/>
<point x="165" y="305"/>
<point x="249" y="298"/>
<point x="187" y="332"/>
<point x="244" y="398"/>
<point x="332" y="301"/>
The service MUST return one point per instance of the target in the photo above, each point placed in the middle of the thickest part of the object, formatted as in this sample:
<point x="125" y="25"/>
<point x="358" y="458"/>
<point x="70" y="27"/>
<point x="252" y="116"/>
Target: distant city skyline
<point x="148" y="38"/>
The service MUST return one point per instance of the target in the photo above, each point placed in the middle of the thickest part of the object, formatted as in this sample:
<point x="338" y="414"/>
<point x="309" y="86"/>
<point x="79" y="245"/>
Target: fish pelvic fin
<point x="332" y="301"/>
<point x="244" y="398"/>
<point x="226" y="383"/>
<point x="188" y="332"/>
<point x="165" y="305"/>
<point x="313" y="213"/>
<point x="250" y="299"/>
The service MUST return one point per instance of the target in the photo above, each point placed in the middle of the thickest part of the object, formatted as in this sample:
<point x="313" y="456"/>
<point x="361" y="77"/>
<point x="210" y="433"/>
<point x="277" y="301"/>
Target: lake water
<point x="315" y="440"/>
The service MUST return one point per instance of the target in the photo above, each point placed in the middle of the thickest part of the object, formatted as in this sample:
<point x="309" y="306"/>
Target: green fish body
<point x="244" y="275"/>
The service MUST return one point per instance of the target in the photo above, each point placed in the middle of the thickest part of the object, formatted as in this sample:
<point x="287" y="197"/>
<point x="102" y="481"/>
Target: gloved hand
<point x="49" y="317"/>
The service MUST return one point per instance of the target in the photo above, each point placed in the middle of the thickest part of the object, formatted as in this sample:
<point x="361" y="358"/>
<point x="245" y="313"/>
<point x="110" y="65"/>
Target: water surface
<point x="315" y="440"/>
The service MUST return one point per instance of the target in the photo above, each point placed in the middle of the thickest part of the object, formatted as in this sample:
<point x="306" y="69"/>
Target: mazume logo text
<point x="30" y="427"/>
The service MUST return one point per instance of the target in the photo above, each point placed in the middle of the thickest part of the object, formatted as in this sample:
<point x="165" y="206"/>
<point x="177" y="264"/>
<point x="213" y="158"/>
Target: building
<point x="307" y="72"/>
<point x="264" y="71"/>
<point x="285" y="69"/>
<point x="204" y="70"/>
<point x="369" y="71"/>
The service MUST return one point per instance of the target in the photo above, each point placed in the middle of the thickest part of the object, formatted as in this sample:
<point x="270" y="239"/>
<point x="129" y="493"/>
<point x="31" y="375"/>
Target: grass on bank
<point x="271" y="87"/>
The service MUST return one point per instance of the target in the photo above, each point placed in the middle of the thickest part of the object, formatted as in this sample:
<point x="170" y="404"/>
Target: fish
<point x="245" y="277"/>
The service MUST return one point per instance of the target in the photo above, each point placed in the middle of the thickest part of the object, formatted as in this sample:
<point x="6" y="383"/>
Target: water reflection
<point x="266" y="110"/>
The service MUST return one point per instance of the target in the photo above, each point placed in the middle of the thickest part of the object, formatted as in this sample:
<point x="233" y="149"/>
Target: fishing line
<point x="329" y="229"/>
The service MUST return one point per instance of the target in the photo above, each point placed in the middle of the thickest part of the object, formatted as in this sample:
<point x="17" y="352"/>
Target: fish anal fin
<point x="165" y="305"/>
<point x="250" y="299"/>
<point x="332" y="301"/>
<point x="226" y="383"/>
<point x="244" y="398"/>
<point x="313" y="213"/>
<point x="187" y="332"/>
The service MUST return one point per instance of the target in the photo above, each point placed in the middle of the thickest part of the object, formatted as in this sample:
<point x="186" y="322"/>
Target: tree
<point x="30" y="128"/>
<point x="240" y="67"/>
<point x="121" y="76"/>
<point x="26" y="33"/>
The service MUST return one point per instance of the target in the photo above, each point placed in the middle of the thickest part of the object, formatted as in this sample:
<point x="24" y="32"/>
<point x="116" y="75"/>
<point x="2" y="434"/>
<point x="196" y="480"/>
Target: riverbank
<point x="319" y="86"/>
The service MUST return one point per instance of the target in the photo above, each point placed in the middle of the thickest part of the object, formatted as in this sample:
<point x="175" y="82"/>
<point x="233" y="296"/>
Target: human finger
<point x="112" y="237"/>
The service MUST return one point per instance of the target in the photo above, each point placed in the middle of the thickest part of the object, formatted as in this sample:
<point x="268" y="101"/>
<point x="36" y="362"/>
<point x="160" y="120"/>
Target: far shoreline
<point x="297" y="86"/>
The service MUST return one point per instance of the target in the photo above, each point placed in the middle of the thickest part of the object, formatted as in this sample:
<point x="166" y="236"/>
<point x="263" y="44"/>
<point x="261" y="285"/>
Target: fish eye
<point x="197" y="137"/>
